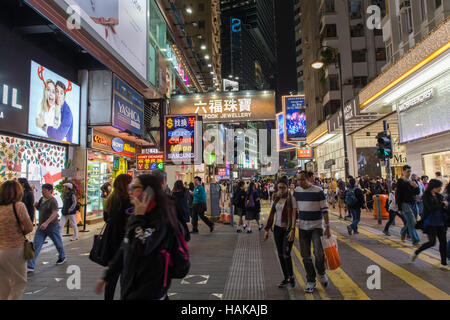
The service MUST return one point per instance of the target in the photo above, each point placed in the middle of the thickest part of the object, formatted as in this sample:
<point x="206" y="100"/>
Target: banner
<point x="282" y="145"/>
<point x="150" y="161"/>
<point x="294" y="118"/>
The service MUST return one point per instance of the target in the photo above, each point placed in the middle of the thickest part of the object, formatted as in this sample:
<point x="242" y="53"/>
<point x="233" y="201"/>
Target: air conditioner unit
<point x="404" y="5"/>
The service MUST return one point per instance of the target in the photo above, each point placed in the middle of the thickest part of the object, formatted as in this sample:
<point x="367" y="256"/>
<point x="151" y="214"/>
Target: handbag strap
<point x="17" y="218"/>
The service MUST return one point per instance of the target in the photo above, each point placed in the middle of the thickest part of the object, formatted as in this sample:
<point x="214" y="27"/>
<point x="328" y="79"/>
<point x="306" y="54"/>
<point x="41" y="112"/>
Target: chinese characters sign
<point x="150" y="161"/>
<point x="304" y="153"/>
<point x="226" y="107"/>
<point x="180" y="146"/>
<point x="294" y="118"/>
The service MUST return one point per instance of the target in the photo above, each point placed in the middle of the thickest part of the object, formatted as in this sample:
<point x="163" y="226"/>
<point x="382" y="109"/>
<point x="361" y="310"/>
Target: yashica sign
<point x="227" y="107"/>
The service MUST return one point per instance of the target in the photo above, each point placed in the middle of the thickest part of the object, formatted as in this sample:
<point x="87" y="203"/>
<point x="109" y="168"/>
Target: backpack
<point x="250" y="203"/>
<point x="177" y="262"/>
<point x="350" y="198"/>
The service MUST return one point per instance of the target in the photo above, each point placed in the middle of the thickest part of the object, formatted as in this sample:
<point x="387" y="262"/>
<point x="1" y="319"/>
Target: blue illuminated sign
<point x="117" y="145"/>
<point x="236" y="25"/>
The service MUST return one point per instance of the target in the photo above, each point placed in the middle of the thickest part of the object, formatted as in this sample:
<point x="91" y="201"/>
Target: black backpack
<point x="177" y="258"/>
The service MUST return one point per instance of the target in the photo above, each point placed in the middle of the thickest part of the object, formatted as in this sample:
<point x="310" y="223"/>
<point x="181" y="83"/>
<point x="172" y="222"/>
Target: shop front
<point x="108" y="157"/>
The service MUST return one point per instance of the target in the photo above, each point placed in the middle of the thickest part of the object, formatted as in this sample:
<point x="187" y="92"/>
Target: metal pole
<point x="344" y="133"/>
<point x="378" y="208"/>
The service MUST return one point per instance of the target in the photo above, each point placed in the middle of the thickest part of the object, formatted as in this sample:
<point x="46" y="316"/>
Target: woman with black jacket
<point x="239" y="205"/>
<point x="181" y="197"/>
<point x="434" y="221"/>
<point x="117" y="209"/>
<point x="141" y="260"/>
<point x="28" y="197"/>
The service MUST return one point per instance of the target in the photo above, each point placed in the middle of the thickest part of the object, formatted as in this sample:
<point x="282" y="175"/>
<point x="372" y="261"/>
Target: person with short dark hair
<point x="14" y="224"/>
<point x="239" y="205"/>
<point x="48" y="226"/>
<point x="354" y="199"/>
<point x="441" y="179"/>
<point x="28" y="197"/>
<point x="199" y="206"/>
<point x="425" y="181"/>
<point x="69" y="209"/>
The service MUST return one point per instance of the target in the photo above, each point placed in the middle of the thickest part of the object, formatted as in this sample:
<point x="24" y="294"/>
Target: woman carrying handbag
<point x="15" y="223"/>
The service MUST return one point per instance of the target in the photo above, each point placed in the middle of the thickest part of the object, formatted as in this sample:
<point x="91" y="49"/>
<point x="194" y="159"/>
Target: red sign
<point x="304" y="153"/>
<point x="222" y="172"/>
<point x="150" y="161"/>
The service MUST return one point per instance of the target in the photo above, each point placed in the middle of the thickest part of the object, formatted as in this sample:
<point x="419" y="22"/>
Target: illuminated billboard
<point x="294" y="118"/>
<point x="281" y="145"/>
<point x="180" y="139"/>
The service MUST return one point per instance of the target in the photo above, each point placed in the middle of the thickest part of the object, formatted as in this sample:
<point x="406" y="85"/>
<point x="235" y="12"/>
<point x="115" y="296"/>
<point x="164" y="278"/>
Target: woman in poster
<point x="47" y="111"/>
<point x="64" y="130"/>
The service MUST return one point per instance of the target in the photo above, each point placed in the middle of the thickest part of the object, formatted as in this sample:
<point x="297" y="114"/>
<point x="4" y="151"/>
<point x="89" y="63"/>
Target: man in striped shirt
<point x="312" y="212"/>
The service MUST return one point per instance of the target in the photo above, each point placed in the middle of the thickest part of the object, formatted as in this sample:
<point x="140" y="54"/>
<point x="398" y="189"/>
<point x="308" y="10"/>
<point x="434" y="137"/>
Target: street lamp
<point x="318" y="64"/>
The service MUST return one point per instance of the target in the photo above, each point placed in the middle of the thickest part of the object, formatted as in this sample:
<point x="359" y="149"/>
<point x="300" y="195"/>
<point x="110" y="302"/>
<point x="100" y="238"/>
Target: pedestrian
<point x="282" y="219"/>
<point x="181" y="197"/>
<point x="312" y="213"/>
<point x="425" y="181"/>
<point x="271" y="191"/>
<point x="354" y="199"/>
<point x="447" y="198"/>
<point x="340" y="193"/>
<point x="199" y="206"/>
<point x="190" y="190"/>
<point x="292" y="187"/>
<point x="434" y="221"/>
<point x="252" y="207"/>
<point x="406" y="191"/>
<point x="28" y="197"/>
<point x="13" y="266"/>
<point x="441" y="178"/>
<point x="48" y="226"/>
<point x="418" y="198"/>
<point x="69" y="209"/>
<point x="393" y="210"/>
<point x="143" y="258"/>
<point x="107" y="188"/>
<point x="118" y="208"/>
<point x="239" y="205"/>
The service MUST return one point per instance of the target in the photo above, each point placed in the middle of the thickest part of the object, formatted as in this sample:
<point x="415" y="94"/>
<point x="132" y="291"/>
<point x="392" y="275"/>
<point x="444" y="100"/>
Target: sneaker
<point x="194" y="231"/>
<point x="211" y="229"/>
<point x="386" y="233"/>
<point x="292" y="282"/>
<point x="249" y="231"/>
<point x="413" y="256"/>
<point x="310" y="287"/>
<point x="283" y="284"/>
<point x="30" y="270"/>
<point x="417" y="245"/>
<point x="260" y="227"/>
<point x="244" y="226"/>
<point x="444" y="267"/>
<point x="402" y="238"/>
<point x="61" y="261"/>
<point x="238" y="230"/>
<point x="323" y="280"/>
<point x="349" y="229"/>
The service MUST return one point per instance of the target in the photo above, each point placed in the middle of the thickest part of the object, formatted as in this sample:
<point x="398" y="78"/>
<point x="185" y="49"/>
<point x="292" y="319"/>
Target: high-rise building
<point x="298" y="45"/>
<point x="248" y="43"/>
<point x="341" y="26"/>
<point x="407" y="22"/>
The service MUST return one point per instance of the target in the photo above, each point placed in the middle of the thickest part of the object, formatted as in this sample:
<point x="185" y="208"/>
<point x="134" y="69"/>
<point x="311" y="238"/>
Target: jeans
<point x="53" y="233"/>
<point x="441" y="234"/>
<point x="284" y="251"/>
<point x="306" y="238"/>
<point x="409" y="212"/>
<point x="73" y="221"/>
<point x="356" y="214"/>
<point x="419" y="208"/>
<point x="197" y="211"/>
<point x="448" y="249"/>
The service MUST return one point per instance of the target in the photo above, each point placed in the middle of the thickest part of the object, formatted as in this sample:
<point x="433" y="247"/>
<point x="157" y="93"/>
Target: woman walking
<point x="282" y="219"/>
<point x="143" y="258"/>
<point x="117" y="210"/>
<point x="28" y="197"/>
<point x="14" y="224"/>
<point x="252" y="207"/>
<point x="434" y="221"/>
<point x="239" y="205"/>
<point x="181" y="196"/>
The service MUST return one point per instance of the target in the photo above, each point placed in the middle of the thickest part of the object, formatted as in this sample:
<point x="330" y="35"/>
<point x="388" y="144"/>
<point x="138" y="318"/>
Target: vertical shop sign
<point x="294" y="118"/>
<point x="180" y="138"/>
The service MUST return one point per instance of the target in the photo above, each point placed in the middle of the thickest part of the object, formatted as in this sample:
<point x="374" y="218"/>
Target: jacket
<point x="273" y="211"/>
<point x="139" y="261"/>
<point x="65" y="129"/>
<point x="256" y="199"/>
<point x="239" y="199"/>
<point x="181" y="214"/>
<point x="116" y="226"/>
<point x="359" y="195"/>
<point x="69" y="204"/>
<point x="434" y="211"/>
<point x="182" y="202"/>
<point x="28" y="200"/>
<point x="405" y="193"/>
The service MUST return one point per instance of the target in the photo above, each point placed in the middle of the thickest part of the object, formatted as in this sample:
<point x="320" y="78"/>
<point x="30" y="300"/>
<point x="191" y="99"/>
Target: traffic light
<point x="384" y="146"/>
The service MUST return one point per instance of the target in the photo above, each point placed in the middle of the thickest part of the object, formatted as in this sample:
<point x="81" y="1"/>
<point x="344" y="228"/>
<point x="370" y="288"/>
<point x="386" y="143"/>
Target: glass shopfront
<point x="435" y="162"/>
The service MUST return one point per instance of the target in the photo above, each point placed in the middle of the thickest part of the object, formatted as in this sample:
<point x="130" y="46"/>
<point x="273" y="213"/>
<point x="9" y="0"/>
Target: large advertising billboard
<point x="282" y="145"/>
<point x="294" y="118"/>
<point x="121" y="24"/>
<point x="368" y="162"/>
<point x="227" y="106"/>
<point x="54" y="111"/>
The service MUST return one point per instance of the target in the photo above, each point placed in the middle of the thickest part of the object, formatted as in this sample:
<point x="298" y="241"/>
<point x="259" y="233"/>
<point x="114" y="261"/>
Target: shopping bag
<point x="96" y="252"/>
<point x="330" y="247"/>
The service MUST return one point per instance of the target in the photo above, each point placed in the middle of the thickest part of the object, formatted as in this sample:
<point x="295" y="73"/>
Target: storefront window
<point x="435" y="162"/>
<point x="100" y="169"/>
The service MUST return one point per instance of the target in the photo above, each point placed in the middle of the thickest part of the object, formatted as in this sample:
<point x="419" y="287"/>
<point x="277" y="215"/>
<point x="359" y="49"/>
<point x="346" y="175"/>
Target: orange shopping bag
<point x="330" y="247"/>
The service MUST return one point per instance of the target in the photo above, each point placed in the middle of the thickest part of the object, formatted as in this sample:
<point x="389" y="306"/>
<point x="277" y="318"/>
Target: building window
<point x="329" y="6"/>
<point x="438" y="3"/>
<point x="201" y="24"/>
<point x="409" y="25"/>
<point x="359" y="82"/>
<point x="357" y="30"/>
<point x="389" y="52"/>
<point x="380" y="54"/>
<point x="330" y="31"/>
<point x="377" y="32"/>
<point x="334" y="82"/>
<point x="422" y="10"/>
<point x="201" y="7"/>
<point x="354" y="8"/>
<point x="359" y="55"/>
<point x="331" y="107"/>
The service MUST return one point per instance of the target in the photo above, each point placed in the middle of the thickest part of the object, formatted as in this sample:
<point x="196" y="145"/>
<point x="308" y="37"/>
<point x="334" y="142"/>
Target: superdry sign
<point x="180" y="138"/>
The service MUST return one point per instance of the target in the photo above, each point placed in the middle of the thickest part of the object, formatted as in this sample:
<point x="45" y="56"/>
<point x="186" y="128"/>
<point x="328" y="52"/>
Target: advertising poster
<point x="281" y="145"/>
<point x="368" y="162"/>
<point x="295" y="118"/>
<point x="54" y="106"/>
<point x="180" y="144"/>
<point x="150" y="161"/>
<point x="121" y="24"/>
<point x="128" y="111"/>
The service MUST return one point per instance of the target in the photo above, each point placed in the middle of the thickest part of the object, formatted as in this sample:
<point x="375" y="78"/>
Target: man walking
<point x="312" y="212"/>
<point x="199" y="206"/>
<point x="69" y="209"/>
<point x="406" y="192"/>
<point x="354" y="199"/>
<point x="48" y="226"/>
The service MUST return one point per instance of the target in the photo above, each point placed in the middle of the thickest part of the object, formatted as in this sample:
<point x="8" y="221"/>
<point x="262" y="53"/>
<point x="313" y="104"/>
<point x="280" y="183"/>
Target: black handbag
<point x="96" y="252"/>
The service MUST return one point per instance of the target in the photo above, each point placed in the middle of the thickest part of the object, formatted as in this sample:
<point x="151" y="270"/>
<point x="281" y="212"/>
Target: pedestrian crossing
<point x="402" y="279"/>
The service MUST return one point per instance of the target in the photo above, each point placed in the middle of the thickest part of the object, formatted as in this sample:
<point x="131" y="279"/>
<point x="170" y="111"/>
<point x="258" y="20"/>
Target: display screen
<point x="295" y="118"/>
<point x="280" y="128"/>
<point x="54" y="106"/>
<point x="368" y="162"/>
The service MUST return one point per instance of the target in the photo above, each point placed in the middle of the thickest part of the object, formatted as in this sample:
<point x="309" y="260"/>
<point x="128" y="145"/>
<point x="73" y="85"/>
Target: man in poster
<point x="65" y="130"/>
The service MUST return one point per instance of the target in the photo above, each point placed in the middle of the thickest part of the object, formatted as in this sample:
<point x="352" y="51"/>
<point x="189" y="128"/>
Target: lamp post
<point x="318" y="64"/>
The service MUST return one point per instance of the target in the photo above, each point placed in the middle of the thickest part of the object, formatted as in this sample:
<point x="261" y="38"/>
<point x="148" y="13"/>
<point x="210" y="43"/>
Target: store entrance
<point x="435" y="162"/>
